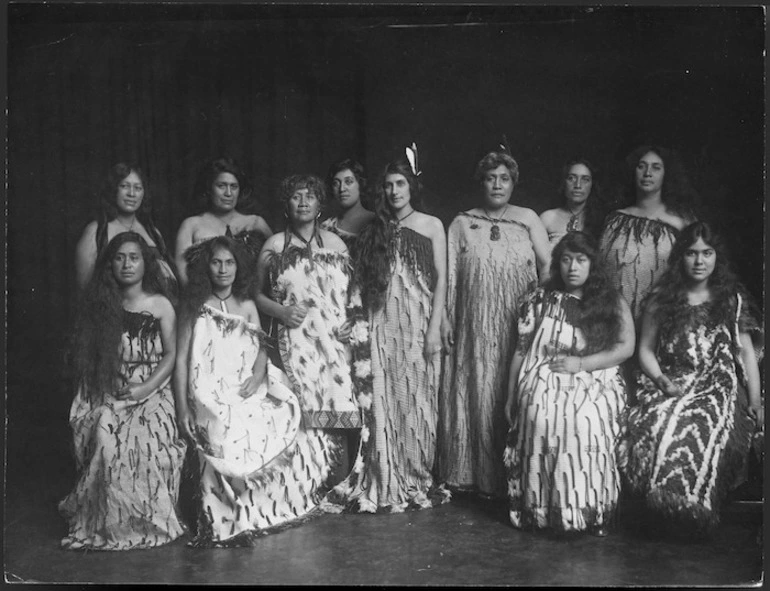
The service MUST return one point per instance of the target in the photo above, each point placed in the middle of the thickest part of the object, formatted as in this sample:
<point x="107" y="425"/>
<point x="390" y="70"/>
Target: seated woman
<point x="237" y="408"/>
<point x="221" y="187"/>
<point x="128" y="452"/>
<point x="580" y="198"/>
<point x="306" y="271"/>
<point x="124" y="206"/>
<point x="347" y="184"/>
<point x="688" y="437"/>
<point x="566" y="396"/>
<point x="401" y="262"/>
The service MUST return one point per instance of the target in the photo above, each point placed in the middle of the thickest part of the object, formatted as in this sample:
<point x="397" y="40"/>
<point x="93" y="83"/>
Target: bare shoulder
<point x="524" y="215"/>
<point x="273" y="241"/>
<point x="429" y="225"/>
<point x="190" y="224"/>
<point x="332" y="241"/>
<point x="89" y="232"/>
<point x="248" y="307"/>
<point x="549" y="216"/>
<point x="159" y="306"/>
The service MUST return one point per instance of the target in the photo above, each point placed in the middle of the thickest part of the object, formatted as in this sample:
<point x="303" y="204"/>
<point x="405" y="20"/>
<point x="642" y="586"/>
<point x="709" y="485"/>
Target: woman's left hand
<point x="343" y="334"/>
<point x="131" y="391"/>
<point x="432" y="344"/>
<point x="251" y="384"/>
<point x="565" y="364"/>
<point x="755" y="412"/>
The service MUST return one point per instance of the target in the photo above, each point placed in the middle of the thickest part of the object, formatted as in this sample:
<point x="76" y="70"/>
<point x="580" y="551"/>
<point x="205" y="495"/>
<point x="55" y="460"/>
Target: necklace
<point x="302" y="238"/>
<point x="574" y="220"/>
<point x="222" y="301"/>
<point x="399" y="221"/>
<point x="494" y="232"/>
<point x="128" y="228"/>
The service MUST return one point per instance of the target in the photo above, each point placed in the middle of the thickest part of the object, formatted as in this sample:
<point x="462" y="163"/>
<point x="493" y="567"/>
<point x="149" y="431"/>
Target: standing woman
<point x="566" y="396"/>
<point x="581" y="200"/>
<point x="128" y="452"/>
<point x="237" y="408"/>
<point x="689" y="436"/>
<point x="221" y="187"/>
<point x="636" y="241"/>
<point x="306" y="272"/>
<point x="400" y="262"/>
<point x="347" y="184"/>
<point x="125" y="206"/>
<point x="494" y="254"/>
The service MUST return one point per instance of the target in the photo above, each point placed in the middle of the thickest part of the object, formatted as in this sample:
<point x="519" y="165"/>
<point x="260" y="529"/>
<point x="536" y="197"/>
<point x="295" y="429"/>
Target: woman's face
<point x="346" y="188"/>
<point x="222" y="267"/>
<point x="128" y="264"/>
<point x="577" y="185"/>
<point x="224" y="192"/>
<point x="397" y="191"/>
<point x="574" y="268"/>
<point x="303" y="206"/>
<point x="498" y="186"/>
<point x="699" y="261"/>
<point x="649" y="174"/>
<point x="130" y="194"/>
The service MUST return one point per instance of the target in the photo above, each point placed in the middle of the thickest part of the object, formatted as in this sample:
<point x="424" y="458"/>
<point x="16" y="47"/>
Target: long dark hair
<point x="209" y="173"/>
<point x="373" y="254"/>
<point x="595" y="209"/>
<point x="677" y="192"/>
<point x="670" y="293"/>
<point x="95" y="348"/>
<point x="599" y="318"/>
<point x="198" y="288"/>
<point x="108" y="210"/>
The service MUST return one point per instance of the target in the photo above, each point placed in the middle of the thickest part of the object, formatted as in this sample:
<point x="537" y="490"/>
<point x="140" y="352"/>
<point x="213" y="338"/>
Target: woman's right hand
<point x="294" y="315"/>
<point x="184" y="422"/>
<point x="509" y="409"/>
<point x="668" y="387"/>
<point x="447" y="335"/>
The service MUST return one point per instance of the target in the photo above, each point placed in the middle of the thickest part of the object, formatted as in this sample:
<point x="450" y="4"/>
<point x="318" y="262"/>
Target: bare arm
<point x="539" y="237"/>
<point x="648" y="360"/>
<point x="291" y="316"/>
<point x="184" y="240"/>
<point x="513" y="384"/>
<point x="433" y="335"/>
<point x="181" y="376"/>
<point x="752" y="377"/>
<point x="262" y="226"/>
<point x="611" y="357"/>
<point x="447" y="321"/>
<point x="163" y="309"/>
<point x="85" y="255"/>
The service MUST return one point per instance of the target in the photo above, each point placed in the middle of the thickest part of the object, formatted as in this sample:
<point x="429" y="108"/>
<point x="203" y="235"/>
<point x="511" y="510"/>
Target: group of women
<point x="373" y="362"/>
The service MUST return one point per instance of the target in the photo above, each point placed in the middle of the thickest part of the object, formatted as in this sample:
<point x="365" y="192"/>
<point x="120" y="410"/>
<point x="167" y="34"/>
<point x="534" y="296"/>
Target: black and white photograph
<point x="376" y="294"/>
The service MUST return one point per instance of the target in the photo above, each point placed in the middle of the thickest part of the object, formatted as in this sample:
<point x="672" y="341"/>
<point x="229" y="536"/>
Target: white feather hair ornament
<point x="504" y="147"/>
<point x="411" y="155"/>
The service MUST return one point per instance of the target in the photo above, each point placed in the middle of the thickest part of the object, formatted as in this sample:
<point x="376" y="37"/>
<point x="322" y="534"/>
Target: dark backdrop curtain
<point x="290" y="89"/>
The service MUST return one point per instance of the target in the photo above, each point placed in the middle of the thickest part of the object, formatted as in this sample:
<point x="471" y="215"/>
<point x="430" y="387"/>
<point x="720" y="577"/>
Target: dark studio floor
<point x="467" y="542"/>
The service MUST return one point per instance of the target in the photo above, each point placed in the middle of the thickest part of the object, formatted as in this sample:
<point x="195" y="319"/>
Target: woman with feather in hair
<point x="566" y="396"/>
<point x="400" y="264"/>
<point x="128" y="452"/>
<point x="236" y="407"/>
<point x="699" y="391"/>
